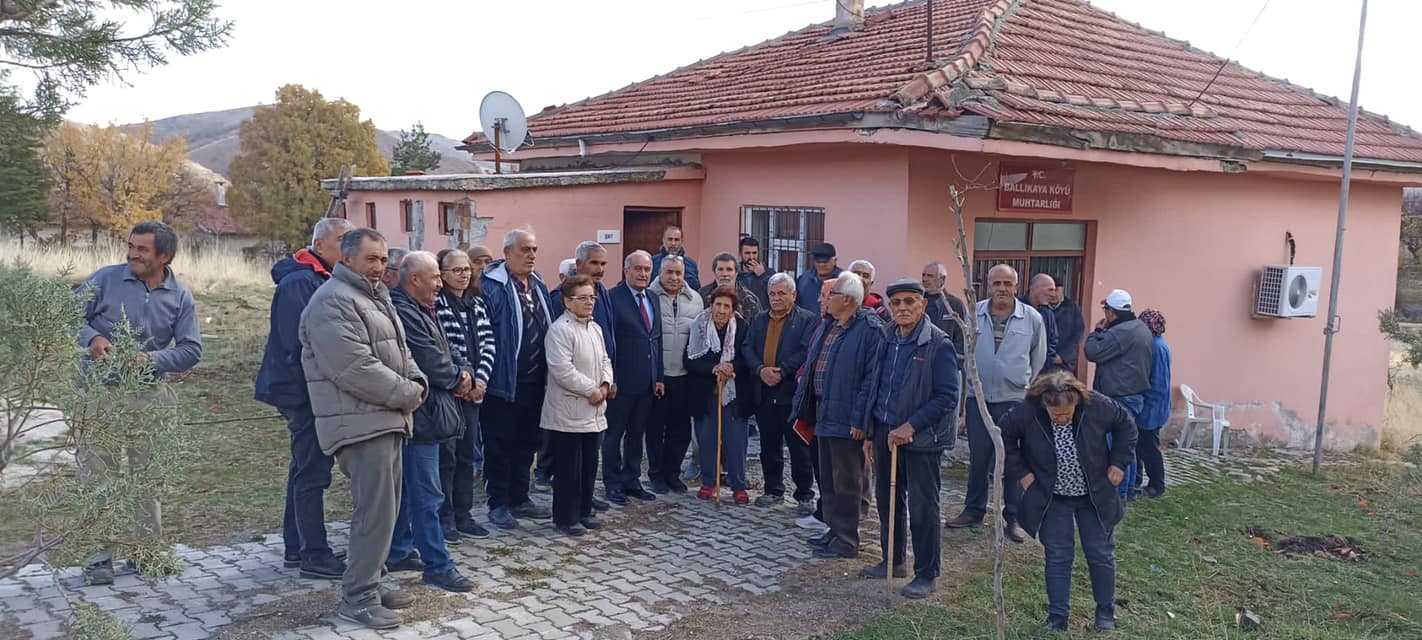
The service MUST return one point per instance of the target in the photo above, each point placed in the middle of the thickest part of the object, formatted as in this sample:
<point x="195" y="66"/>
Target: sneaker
<point x="395" y="598"/>
<point x="1105" y="624"/>
<point x="706" y="493"/>
<point x="805" y="506"/>
<point x="292" y="560"/>
<point x="880" y="571"/>
<point x="451" y="537"/>
<point x="472" y="529"/>
<point x="811" y="522"/>
<point x="591" y="523"/>
<point x="532" y="511"/>
<point x="333" y="569"/>
<point x="917" y="589"/>
<point x="693" y="471"/>
<point x="963" y="521"/>
<point x="741" y="496"/>
<point x="411" y="562"/>
<point x="571" y="530"/>
<point x="502" y="518"/>
<point x="100" y="573"/>
<point x="675" y="485"/>
<point x="449" y="581"/>
<point x="373" y="616"/>
<point x="769" y="500"/>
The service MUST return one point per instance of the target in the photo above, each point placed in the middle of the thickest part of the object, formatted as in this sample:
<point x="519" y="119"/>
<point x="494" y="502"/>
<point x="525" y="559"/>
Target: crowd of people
<point x="419" y="374"/>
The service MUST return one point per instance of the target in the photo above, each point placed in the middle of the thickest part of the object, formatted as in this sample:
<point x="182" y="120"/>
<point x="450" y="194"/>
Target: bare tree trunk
<point x="972" y="331"/>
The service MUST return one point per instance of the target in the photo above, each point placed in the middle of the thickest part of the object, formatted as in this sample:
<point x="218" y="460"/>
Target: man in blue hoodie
<point x="282" y="384"/>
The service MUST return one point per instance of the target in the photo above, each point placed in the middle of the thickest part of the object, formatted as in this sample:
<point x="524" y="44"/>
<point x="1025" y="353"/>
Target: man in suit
<point x="637" y="378"/>
<point x="778" y="341"/>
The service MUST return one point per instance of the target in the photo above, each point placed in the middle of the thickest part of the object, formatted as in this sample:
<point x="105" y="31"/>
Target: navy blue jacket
<point x="807" y="289"/>
<point x="790" y="353"/>
<point x="638" y="365"/>
<point x="918" y="384"/>
<point x="1071" y="328"/>
<point x="854" y="362"/>
<point x="439" y="417"/>
<point x="1049" y="324"/>
<point x="602" y="315"/>
<point x="506" y="314"/>
<point x="693" y="276"/>
<point x="281" y="382"/>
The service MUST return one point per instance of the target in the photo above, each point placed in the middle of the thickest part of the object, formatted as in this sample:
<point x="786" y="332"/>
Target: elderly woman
<point x="575" y="405"/>
<point x="717" y="336"/>
<point x="1056" y="441"/>
<point x="1157" y="407"/>
<point x="461" y="313"/>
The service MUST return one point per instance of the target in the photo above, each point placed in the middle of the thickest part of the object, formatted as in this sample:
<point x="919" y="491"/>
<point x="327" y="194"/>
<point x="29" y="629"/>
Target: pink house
<point x="1093" y="150"/>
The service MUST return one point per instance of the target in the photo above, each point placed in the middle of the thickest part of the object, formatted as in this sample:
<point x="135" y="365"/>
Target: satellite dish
<point x="503" y="121"/>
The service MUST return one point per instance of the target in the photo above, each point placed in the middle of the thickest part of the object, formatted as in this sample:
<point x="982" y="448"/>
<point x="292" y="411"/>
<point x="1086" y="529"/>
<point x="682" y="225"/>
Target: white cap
<point x="566" y="267"/>
<point x="1118" y="299"/>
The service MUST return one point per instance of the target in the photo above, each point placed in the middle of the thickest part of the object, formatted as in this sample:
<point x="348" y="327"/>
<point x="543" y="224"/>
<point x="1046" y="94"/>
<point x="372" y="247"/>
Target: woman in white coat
<point x="575" y="404"/>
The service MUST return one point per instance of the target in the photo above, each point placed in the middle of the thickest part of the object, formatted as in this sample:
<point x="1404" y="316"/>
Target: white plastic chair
<point x="1215" y="419"/>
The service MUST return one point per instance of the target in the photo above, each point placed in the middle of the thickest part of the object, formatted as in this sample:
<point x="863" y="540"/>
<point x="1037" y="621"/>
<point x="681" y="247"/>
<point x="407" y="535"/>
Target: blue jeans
<point x="1063" y="518"/>
<point x="307" y="478"/>
<point x="417" y="524"/>
<point x="981" y="461"/>
<point x="1133" y="405"/>
<point x="733" y="442"/>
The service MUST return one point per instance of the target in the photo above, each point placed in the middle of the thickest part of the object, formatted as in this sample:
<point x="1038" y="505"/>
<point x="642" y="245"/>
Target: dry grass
<point x="202" y="266"/>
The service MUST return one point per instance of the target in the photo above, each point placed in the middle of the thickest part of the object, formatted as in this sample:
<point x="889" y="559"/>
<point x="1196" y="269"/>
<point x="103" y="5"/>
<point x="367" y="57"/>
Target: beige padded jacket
<point x="577" y="366"/>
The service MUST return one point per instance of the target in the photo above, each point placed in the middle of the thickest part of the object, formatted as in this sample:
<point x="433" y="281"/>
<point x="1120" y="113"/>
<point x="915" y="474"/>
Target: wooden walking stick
<point x="893" y="501"/>
<point x="719" y="385"/>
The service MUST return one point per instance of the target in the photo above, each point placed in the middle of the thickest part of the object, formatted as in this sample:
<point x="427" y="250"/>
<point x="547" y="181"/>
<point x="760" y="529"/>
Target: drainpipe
<point x="848" y="15"/>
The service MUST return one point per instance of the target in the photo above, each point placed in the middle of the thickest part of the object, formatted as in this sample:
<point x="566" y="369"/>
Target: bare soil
<point x="1338" y="547"/>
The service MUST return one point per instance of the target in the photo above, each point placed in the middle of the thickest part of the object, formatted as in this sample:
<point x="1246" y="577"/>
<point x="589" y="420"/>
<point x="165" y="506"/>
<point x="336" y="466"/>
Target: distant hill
<point x="212" y="140"/>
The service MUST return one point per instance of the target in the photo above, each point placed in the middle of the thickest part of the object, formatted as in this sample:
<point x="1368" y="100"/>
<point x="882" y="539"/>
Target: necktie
<point x="642" y="305"/>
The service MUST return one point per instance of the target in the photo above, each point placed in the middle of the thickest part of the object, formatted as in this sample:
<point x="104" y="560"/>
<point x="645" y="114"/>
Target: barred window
<point x="786" y="234"/>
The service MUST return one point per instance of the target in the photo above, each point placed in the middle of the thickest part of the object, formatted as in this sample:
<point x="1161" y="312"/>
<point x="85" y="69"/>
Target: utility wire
<point x="1226" y="61"/>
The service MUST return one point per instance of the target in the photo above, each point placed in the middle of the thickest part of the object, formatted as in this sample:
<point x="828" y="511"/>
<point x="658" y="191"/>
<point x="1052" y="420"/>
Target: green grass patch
<point x="1186" y="564"/>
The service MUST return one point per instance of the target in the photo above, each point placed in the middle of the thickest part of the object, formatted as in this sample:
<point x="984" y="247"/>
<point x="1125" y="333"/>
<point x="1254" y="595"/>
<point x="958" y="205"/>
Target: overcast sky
<point x="432" y="60"/>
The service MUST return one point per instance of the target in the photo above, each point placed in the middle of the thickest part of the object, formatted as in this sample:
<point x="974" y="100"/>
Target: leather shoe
<point x="411" y="562"/>
<point x="1015" y="533"/>
<point x="503" y="518"/>
<point x="675" y="485"/>
<point x="617" y="497"/>
<point x="819" y="541"/>
<point x="963" y="521"/>
<point x="829" y="552"/>
<point x="395" y="598"/>
<point x="293" y="560"/>
<point x="659" y="486"/>
<point x="450" y="581"/>
<point x="332" y="569"/>
<point x="640" y="493"/>
<point x="881" y="571"/>
<point x="917" y="589"/>
<point x="571" y="530"/>
<point x="599" y="504"/>
<point x="591" y="523"/>
<point x="532" y="511"/>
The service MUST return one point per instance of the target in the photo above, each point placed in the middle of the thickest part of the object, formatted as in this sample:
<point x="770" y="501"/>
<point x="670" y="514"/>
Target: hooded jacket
<point x="678" y="312"/>
<point x="280" y="381"/>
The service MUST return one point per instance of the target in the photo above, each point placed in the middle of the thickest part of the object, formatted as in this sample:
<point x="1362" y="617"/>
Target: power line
<point x="1226" y="61"/>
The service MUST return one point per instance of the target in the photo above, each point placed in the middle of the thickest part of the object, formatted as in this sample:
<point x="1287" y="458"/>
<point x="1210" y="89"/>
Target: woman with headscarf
<point x="1157" y="408"/>
<point x="1056" y="441"/>
<point x="716" y="339"/>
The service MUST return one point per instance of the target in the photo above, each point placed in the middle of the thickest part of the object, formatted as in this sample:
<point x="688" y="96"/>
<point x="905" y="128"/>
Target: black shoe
<point x="451" y="537"/>
<point x="532" y="511"/>
<point x="331" y="570"/>
<point x="1153" y="492"/>
<point x="472" y="529"/>
<point x="571" y="530"/>
<point x="881" y="571"/>
<point x="640" y="493"/>
<point x="293" y="560"/>
<point x="449" y="581"/>
<point x="660" y="487"/>
<point x="615" y="496"/>
<point x="591" y="523"/>
<point x="1055" y="623"/>
<point x="819" y="541"/>
<point x="502" y="518"/>
<point x="829" y="552"/>
<point x="599" y="504"/>
<point x="963" y="521"/>
<point x="411" y="562"/>
<point x="675" y="485"/>
<point x="917" y="589"/>
<point x="542" y="485"/>
<point x="1015" y="533"/>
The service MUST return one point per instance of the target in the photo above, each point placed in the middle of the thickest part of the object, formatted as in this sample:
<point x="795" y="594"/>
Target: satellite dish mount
<point x="504" y="124"/>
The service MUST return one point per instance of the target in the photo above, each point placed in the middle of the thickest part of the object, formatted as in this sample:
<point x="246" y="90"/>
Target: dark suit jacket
<point x="790" y="353"/>
<point x="638" y="365"/>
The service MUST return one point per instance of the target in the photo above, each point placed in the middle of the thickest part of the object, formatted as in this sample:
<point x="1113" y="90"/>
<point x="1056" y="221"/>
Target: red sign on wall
<point x="1035" y="189"/>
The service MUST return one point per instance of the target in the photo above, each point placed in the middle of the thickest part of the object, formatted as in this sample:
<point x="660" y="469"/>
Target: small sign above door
<point x="1035" y="189"/>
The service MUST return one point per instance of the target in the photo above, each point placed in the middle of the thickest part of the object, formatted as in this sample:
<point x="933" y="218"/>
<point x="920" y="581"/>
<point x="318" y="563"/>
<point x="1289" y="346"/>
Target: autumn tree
<point x="286" y="150"/>
<point x="413" y="152"/>
<point x="190" y="191"/>
<point x="24" y="181"/>
<point x="109" y="179"/>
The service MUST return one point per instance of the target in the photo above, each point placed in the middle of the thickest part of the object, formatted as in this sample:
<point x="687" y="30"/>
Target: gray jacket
<point x="1122" y="354"/>
<point x="677" y="315"/>
<point x="1007" y="369"/>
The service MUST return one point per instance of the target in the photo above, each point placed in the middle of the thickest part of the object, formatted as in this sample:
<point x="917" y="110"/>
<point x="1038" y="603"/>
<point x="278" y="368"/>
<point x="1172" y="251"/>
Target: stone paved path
<point x="652" y="564"/>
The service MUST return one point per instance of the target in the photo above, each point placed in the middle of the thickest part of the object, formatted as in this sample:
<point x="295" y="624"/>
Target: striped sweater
<point x="455" y="316"/>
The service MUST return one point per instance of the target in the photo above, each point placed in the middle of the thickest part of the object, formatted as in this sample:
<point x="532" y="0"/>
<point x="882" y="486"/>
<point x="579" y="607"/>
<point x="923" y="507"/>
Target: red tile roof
<point x="1055" y="63"/>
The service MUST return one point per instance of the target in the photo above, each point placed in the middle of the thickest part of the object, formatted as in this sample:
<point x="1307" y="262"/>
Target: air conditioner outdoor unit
<point x="1288" y="292"/>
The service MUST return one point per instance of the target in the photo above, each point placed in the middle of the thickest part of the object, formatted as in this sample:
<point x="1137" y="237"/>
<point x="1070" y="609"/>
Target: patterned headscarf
<point x="1153" y="320"/>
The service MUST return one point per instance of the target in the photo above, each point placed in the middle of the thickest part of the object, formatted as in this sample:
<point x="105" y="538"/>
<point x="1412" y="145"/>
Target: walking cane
<point x="893" y="501"/>
<point x="719" y="385"/>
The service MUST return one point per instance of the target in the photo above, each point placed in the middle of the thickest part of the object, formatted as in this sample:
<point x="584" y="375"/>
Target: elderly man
<point x="519" y="310"/>
<point x="724" y="267"/>
<point x="809" y="283"/>
<point x="364" y="387"/>
<point x="281" y="383"/>
<point x="673" y="246"/>
<point x="1039" y="296"/>
<point x="1011" y="349"/>
<point x="1071" y="328"/>
<point x="637" y="376"/>
<point x="915" y="411"/>
<point x="438" y="421"/>
<point x="1123" y="349"/>
<point x="589" y="259"/>
<point x="776" y="346"/>
<point x="754" y="275"/>
<point x="160" y="311"/>
<point x="872" y="301"/>
<point x="835" y="394"/>
<point x="391" y="278"/>
<point x="940" y="305"/>
<point x="669" y="432"/>
<point x="479" y="258"/>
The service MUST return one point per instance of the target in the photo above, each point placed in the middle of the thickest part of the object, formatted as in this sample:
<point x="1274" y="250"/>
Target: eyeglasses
<point x="583" y="298"/>
<point x="460" y="270"/>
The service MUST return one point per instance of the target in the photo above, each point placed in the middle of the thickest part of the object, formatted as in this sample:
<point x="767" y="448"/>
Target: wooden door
<point x="642" y="228"/>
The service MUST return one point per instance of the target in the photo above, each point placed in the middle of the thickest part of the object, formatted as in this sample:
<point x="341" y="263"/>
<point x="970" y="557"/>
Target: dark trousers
<point x="307" y="478"/>
<point x="775" y="428"/>
<point x="1148" y="453"/>
<point x="543" y="463"/>
<point x="842" y="483"/>
<point x="669" y="431"/>
<point x="1065" y="516"/>
<point x="627" y="418"/>
<point x="456" y="471"/>
<point x="511" y="437"/>
<point x="417" y="522"/>
<point x="574" y="457"/>
<point x="980" y="464"/>
<point x="917" y="485"/>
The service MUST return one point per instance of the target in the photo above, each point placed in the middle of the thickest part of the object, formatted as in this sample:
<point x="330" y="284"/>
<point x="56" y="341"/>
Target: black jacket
<point x="701" y="383"/>
<point x="938" y="307"/>
<point x="439" y="417"/>
<point x="790" y="353"/>
<point x="1071" y="328"/>
<point x="1029" y="447"/>
<point x="1049" y="324"/>
<point x="637" y="367"/>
